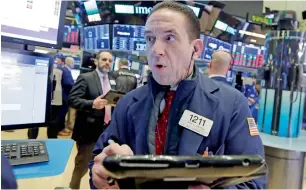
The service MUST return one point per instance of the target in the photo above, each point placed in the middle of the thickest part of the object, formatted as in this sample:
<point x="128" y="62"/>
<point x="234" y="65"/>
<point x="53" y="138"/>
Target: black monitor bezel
<point x="48" y="96"/>
<point x="60" y="31"/>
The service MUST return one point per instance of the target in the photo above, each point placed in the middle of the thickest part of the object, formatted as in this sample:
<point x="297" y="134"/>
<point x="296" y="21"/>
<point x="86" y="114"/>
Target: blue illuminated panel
<point x="247" y="55"/>
<point x="96" y="37"/>
<point x="211" y="45"/>
<point x="128" y="38"/>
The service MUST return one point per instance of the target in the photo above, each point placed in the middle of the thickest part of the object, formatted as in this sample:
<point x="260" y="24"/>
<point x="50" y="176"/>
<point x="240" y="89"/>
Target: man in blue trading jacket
<point x="67" y="84"/>
<point x="8" y="179"/>
<point x="147" y="120"/>
<point x="251" y="93"/>
<point x="219" y="66"/>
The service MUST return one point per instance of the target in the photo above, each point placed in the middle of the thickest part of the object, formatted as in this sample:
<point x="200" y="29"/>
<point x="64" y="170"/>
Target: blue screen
<point x="211" y="45"/>
<point x="247" y="55"/>
<point x="128" y="37"/>
<point x="96" y="37"/>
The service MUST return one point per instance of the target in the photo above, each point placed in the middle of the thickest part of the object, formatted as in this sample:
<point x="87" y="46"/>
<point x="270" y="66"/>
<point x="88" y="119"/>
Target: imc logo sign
<point x="130" y="9"/>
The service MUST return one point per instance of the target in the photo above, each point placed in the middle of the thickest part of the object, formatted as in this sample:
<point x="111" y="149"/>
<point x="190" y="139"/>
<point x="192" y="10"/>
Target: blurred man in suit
<point x="125" y="79"/>
<point x="219" y="66"/>
<point x="67" y="83"/>
<point x="93" y="113"/>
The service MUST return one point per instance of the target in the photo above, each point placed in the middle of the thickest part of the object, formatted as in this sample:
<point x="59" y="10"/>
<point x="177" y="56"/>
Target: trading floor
<point x="22" y="134"/>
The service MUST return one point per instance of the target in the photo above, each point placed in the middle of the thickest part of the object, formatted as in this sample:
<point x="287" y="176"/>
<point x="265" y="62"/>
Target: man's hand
<point x="198" y="187"/>
<point x="99" y="177"/>
<point x="251" y="101"/>
<point x="99" y="103"/>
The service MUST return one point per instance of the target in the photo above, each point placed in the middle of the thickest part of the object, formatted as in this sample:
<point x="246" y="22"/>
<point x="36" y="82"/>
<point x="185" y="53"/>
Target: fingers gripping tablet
<point x="113" y="96"/>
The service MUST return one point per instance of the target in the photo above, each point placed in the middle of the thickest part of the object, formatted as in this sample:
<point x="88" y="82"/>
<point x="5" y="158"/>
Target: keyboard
<point x="24" y="152"/>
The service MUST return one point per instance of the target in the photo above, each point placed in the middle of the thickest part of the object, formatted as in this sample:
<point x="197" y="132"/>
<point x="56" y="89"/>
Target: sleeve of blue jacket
<point x="67" y="80"/>
<point x="8" y="180"/>
<point x="112" y="132"/>
<point x="240" y="141"/>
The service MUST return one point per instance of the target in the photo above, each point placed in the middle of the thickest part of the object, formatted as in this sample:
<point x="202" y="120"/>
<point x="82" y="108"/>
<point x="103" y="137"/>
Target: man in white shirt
<point x="219" y="66"/>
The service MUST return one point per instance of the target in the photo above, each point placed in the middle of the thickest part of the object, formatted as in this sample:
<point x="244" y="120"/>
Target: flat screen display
<point x="71" y="34"/>
<point x="25" y="88"/>
<point x="211" y="45"/>
<point x="96" y="37"/>
<point x="128" y="38"/>
<point x="248" y="55"/>
<point x="34" y="22"/>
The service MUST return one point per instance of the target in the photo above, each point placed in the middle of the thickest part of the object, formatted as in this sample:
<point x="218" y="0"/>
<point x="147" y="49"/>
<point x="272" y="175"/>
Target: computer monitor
<point x="38" y="23"/>
<point x="96" y="37"/>
<point x="25" y="89"/>
<point x="88" y="63"/>
<point x="248" y="55"/>
<point x="128" y="38"/>
<point x="211" y="45"/>
<point x="75" y="73"/>
<point x="71" y="34"/>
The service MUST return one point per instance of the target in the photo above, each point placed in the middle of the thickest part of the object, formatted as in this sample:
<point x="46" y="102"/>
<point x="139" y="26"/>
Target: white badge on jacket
<point x="112" y="82"/>
<point x="196" y="123"/>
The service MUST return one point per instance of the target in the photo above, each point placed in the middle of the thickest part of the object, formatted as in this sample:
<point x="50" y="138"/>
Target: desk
<point x="285" y="159"/>
<point x="46" y="175"/>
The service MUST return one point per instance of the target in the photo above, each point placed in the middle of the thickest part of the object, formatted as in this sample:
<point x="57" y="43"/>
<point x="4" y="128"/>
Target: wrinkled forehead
<point x="165" y="20"/>
<point x="106" y="55"/>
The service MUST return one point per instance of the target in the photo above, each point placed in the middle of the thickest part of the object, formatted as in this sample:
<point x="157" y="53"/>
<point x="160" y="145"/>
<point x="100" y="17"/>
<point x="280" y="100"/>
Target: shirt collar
<point x="175" y="87"/>
<point x="100" y="73"/>
<point x="210" y="76"/>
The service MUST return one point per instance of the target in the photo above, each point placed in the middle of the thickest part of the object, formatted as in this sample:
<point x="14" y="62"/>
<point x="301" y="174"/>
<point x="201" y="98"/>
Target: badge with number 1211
<point x="196" y="123"/>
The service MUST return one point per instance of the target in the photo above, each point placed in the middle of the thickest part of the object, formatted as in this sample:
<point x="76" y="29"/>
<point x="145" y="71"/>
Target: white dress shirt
<point x="210" y="76"/>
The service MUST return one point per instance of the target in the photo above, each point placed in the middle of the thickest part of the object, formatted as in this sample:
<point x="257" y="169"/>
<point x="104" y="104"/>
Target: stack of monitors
<point x="247" y="55"/>
<point x="96" y="37"/>
<point x="71" y="34"/>
<point x="128" y="38"/>
<point x="211" y="45"/>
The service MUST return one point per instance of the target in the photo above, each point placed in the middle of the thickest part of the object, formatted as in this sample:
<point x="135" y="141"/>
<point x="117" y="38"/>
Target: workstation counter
<point x="47" y="175"/>
<point x="285" y="158"/>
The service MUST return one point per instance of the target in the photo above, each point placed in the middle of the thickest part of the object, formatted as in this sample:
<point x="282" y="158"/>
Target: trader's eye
<point x="170" y="38"/>
<point x="149" y="39"/>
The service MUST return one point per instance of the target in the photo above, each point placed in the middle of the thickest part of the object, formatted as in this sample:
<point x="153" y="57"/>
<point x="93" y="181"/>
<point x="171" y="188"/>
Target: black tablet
<point x="113" y="96"/>
<point x="117" y="163"/>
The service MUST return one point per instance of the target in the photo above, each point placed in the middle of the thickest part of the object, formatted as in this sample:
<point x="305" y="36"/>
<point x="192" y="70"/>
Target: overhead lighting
<point x="41" y="51"/>
<point x="252" y="40"/>
<point x="252" y="34"/>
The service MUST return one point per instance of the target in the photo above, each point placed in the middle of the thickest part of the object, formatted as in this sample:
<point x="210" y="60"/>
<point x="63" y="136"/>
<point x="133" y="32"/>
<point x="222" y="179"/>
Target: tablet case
<point x="214" y="171"/>
<point x="113" y="96"/>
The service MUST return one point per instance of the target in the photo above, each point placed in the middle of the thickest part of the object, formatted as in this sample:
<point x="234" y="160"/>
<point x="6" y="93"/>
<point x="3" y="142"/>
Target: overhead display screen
<point x="96" y="37"/>
<point x="38" y="23"/>
<point x="71" y="34"/>
<point x="211" y="45"/>
<point x="248" y="55"/>
<point x="128" y="38"/>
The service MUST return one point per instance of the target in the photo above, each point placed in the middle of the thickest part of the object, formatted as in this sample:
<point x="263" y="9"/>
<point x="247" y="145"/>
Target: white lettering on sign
<point x="140" y="47"/>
